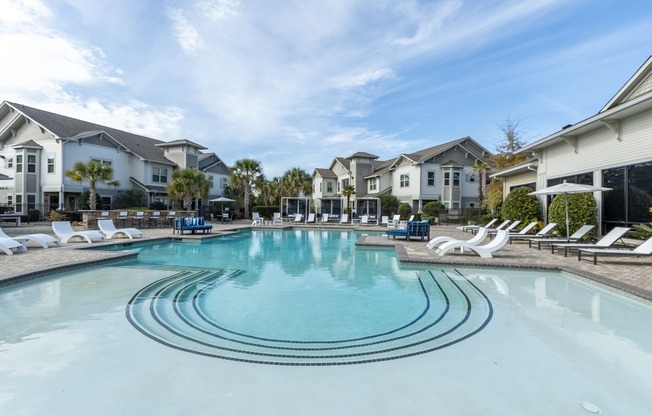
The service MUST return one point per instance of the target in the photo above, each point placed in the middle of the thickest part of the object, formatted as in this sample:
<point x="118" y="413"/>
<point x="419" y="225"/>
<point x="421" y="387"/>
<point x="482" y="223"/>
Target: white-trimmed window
<point x="51" y="163"/>
<point x="9" y="163"/>
<point x="160" y="175"/>
<point x="471" y="178"/>
<point x="329" y="186"/>
<point x="431" y="178"/>
<point x="373" y="184"/>
<point x="102" y="161"/>
<point x="31" y="163"/>
<point x="405" y="180"/>
<point x="19" y="163"/>
<point x="456" y="179"/>
<point x="224" y="182"/>
<point x="447" y="179"/>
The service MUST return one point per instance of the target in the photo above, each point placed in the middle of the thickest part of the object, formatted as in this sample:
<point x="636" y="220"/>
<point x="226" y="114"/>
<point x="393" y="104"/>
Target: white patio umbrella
<point x="222" y="200"/>
<point x="568" y="188"/>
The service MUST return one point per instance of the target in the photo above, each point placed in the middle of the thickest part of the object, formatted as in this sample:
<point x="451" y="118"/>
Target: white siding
<point x="600" y="149"/>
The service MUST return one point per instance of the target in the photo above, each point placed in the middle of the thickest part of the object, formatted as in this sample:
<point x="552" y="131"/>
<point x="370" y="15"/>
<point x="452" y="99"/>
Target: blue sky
<point x="296" y="83"/>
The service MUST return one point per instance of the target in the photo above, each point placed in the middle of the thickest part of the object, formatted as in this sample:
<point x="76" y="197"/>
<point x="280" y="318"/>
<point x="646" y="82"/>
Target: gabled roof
<point x="421" y="156"/>
<point x="529" y="165"/>
<point x="346" y="163"/>
<point x="71" y="128"/>
<point x="325" y="173"/>
<point x="180" y="142"/>
<point x="639" y="84"/>
<point x="634" y="98"/>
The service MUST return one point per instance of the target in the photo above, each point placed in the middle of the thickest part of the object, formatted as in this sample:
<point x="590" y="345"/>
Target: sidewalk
<point x="630" y="274"/>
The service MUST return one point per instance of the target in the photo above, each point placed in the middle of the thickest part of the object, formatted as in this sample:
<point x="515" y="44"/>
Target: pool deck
<point x="631" y="275"/>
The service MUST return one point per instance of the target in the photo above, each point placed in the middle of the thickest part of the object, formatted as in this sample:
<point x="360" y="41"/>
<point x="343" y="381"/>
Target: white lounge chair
<point x="277" y="219"/>
<point x="485" y="250"/>
<point x="344" y="219"/>
<point x="525" y="229"/>
<point x="311" y="218"/>
<point x="393" y="223"/>
<point x="257" y="219"/>
<point x="298" y="218"/>
<point x="545" y="232"/>
<point x="606" y="241"/>
<point x="325" y="218"/>
<point x="384" y="220"/>
<point x="41" y="239"/>
<point x="576" y="236"/>
<point x="509" y="228"/>
<point x="364" y="220"/>
<point x="108" y="229"/>
<point x="476" y="239"/>
<point x="8" y="245"/>
<point x="645" y="249"/>
<point x="467" y="228"/>
<point x="65" y="232"/>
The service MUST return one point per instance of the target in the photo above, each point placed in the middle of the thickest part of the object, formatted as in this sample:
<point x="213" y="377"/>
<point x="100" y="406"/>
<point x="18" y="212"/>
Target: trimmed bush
<point x="405" y="210"/>
<point x="582" y="210"/>
<point x="432" y="209"/>
<point x="520" y="206"/>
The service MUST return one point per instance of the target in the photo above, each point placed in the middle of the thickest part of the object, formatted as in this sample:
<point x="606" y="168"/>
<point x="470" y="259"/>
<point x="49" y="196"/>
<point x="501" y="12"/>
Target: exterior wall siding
<point x="600" y="149"/>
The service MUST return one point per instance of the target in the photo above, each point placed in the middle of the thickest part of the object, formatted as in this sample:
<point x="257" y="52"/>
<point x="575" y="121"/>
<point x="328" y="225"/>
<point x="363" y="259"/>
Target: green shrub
<point x="388" y="204"/>
<point x="405" y="210"/>
<point x="432" y="209"/>
<point x="265" y="211"/>
<point x="641" y="231"/>
<point x="581" y="210"/>
<point x="520" y="206"/>
<point x="34" y="215"/>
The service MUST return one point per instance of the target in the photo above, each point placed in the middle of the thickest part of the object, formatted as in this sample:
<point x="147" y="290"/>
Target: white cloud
<point x="186" y="34"/>
<point x="219" y="10"/>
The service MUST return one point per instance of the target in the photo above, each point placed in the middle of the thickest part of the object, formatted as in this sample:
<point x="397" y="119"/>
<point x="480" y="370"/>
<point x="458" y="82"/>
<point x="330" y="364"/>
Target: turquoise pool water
<point x="303" y="322"/>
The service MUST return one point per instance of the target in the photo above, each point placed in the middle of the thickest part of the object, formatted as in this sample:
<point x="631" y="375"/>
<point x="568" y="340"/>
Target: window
<point x="31" y="202"/>
<point x="104" y="162"/>
<point x="405" y="181"/>
<point x="19" y="202"/>
<point x="456" y="179"/>
<point x="211" y="182"/>
<point x="472" y="178"/>
<point x="31" y="163"/>
<point x="19" y="164"/>
<point x="630" y="199"/>
<point x="10" y="201"/>
<point x="223" y="183"/>
<point x="9" y="163"/>
<point x="329" y="186"/>
<point x="373" y="184"/>
<point x="160" y="175"/>
<point x="50" y="163"/>
<point x="431" y="178"/>
<point x="447" y="179"/>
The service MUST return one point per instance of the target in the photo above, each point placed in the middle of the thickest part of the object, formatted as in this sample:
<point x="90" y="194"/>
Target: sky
<point x="297" y="83"/>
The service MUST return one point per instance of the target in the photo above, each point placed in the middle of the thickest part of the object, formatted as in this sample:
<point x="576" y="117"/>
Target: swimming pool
<point x="302" y="322"/>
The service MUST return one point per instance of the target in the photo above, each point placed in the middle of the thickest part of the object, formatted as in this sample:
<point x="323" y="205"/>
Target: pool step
<point x="171" y="312"/>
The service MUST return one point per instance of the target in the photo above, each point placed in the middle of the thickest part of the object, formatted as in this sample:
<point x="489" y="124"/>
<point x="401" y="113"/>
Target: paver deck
<point x="628" y="274"/>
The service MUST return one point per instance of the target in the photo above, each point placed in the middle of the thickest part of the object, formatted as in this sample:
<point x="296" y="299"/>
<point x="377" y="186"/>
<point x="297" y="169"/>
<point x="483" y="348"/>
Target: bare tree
<point x="512" y="141"/>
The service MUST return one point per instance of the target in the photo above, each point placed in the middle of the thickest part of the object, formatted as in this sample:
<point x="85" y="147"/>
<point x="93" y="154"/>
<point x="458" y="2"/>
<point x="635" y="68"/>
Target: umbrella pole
<point x="567" y="222"/>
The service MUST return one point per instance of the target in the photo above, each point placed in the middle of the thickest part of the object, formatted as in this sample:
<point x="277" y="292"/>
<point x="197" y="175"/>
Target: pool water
<point x="303" y="322"/>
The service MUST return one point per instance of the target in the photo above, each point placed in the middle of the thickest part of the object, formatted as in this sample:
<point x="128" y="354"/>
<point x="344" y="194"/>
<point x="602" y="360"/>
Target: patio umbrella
<point x="568" y="188"/>
<point x="221" y="200"/>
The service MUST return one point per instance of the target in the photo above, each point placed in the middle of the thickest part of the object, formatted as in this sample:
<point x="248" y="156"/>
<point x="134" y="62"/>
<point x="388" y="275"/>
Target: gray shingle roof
<point x="68" y="127"/>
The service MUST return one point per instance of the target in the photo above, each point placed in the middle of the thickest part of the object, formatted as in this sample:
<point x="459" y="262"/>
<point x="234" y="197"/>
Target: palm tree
<point x="187" y="184"/>
<point x="245" y="174"/>
<point x="94" y="173"/>
<point x="481" y="169"/>
<point x="296" y="181"/>
<point x="347" y="191"/>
